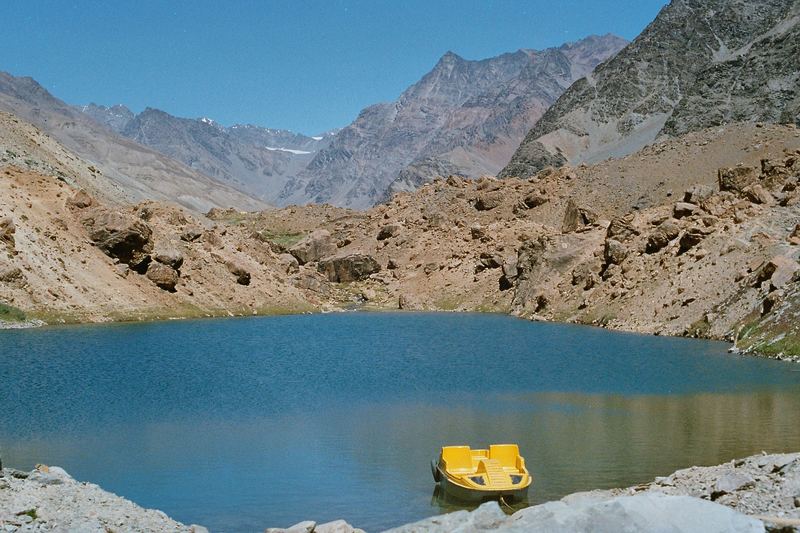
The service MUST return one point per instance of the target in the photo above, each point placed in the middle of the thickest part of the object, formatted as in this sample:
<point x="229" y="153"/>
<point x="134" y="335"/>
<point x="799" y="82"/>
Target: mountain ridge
<point x="680" y="74"/>
<point x="119" y="163"/>
<point x="464" y="115"/>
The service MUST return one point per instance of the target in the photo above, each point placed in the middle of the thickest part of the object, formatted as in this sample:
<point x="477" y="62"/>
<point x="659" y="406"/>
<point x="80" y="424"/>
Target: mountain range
<point x="252" y="159"/>
<point x="463" y="117"/>
<point x="124" y="169"/>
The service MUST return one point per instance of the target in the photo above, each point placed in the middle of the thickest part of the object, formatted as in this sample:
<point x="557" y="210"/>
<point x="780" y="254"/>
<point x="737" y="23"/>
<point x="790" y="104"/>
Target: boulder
<point x="238" y="270"/>
<point x="772" y="299"/>
<point x="697" y="193"/>
<point x="310" y="281"/>
<point x="164" y="276"/>
<point x="489" y="200"/>
<point x="586" y="512"/>
<point x="301" y="527"/>
<point x="662" y="236"/>
<point x="535" y="199"/>
<point x="170" y="256"/>
<point x="511" y="268"/>
<point x="352" y="267"/>
<point x="337" y="526"/>
<point x="489" y="260"/>
<point x="779" y="270"/>
<point x="758" y="194"/>
<point x="730" y="482"/>
<point x="736" y="179"/>
<point x="584" y="276"/>
<point x="288" y="263"/>
<point x="622" y="228"/>
<point x="651" y="511"/>
<point x="314" y="246"/>
<point x="81" y="200"/>
<point x="576" y="217"/>
<point x="119" y="235"/>
<point x="691" y="238"/>
<point x="7" y="230"/>
<point x="222" y="213"/>
<point x="794" y="237"/>
<point x="388" y="231"/>
<point x="614" y="252"/>
<point x="192" y="233"/>
<point x="476" y="231"/>
<point x="487" y="517"/>
<point x="684" y="209"/>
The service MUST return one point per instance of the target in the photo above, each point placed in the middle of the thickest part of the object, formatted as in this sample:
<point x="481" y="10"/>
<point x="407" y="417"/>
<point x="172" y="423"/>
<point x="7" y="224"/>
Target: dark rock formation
<point x="119" y="235"/>
<point x="351" y="267"/>
<point x="313" y="247"/>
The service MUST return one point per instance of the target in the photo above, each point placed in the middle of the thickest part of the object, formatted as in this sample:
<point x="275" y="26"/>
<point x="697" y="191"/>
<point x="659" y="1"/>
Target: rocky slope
<point x="252" y="159"/>
<point x="711" y="251"/>
<point x="121" y="166"/>
<point x="464" y="117"/>
<point x="65" y="256"/>
<point x="698" y="64"/>
<point x="699" y="255"/>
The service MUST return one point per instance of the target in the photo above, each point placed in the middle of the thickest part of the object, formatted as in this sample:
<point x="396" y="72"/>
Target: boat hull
<point x="455" y="491"/>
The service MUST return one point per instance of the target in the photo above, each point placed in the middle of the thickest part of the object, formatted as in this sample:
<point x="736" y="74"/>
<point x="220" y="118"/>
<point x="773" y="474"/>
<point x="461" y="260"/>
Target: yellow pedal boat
<point x="475" y="475"/>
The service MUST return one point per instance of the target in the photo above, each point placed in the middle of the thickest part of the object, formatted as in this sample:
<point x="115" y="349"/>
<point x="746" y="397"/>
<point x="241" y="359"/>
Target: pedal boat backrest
<point x="507" y="455"/>
<point x="457" y="459"/>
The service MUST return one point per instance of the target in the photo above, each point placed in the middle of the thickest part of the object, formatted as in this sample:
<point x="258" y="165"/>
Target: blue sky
<point x="308" y="66"/>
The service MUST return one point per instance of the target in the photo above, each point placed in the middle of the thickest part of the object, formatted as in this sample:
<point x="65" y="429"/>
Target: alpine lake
<point x="242" y="424"/>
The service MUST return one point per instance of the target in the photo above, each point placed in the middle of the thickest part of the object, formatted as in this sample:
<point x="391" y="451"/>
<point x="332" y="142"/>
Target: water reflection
<point x="446" y="504"/>
<point x="370" y="463"/>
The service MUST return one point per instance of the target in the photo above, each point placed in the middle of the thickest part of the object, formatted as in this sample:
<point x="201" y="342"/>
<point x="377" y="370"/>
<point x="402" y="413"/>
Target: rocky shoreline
<point x="23" y="324"/>
<point x="757" y="493"/>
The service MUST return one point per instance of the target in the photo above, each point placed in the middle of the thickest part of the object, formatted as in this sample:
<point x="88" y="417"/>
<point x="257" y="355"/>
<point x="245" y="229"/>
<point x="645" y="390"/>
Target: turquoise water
<point x="240" y="424"/>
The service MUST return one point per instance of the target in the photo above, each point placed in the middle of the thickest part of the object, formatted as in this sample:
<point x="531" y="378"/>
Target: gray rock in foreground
<point x="642" y="512"/>
<point x="48" y="499"/>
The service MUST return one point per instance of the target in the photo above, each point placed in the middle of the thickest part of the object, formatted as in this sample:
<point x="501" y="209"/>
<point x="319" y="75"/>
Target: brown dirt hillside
<point x="584" y="245"/>
<point x="52" y="267"/>
<point x="660" y="242"/>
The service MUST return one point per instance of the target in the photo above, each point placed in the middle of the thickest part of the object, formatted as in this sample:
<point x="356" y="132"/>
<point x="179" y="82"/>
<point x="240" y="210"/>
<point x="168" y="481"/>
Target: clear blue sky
<point x="303" y="65"/>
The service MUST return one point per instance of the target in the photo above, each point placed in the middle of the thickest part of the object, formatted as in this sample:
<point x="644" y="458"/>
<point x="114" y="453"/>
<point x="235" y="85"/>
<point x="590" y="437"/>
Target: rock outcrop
<point x="119" y="235"/>
<point x="317" y="245"/>
<point x="351" y="267"/>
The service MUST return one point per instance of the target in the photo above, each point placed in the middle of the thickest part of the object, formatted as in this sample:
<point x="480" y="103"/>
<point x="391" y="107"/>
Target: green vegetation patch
<point x="284" y="240"/>
<point x="29" y="512"/>
<point x="10" y="313"/>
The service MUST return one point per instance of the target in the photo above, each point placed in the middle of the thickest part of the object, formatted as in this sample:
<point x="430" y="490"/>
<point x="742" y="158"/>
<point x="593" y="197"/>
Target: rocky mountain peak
<point x="115" y="117"/>
<point x="700" y="63"/>
<point x="463" y="117"/>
